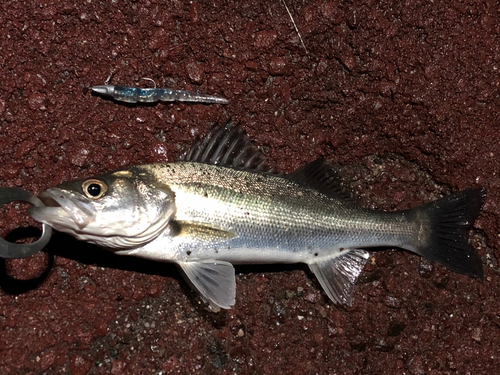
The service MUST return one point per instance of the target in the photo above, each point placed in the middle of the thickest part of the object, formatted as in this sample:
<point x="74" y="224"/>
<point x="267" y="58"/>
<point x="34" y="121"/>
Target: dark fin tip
<point x="322" y="177"/>
<point x="451" y="219"/>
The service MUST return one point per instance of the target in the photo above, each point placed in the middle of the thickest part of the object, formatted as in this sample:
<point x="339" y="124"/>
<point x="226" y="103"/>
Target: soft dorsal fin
<point x="321" y="177"/>
<point x="227" y="145"/>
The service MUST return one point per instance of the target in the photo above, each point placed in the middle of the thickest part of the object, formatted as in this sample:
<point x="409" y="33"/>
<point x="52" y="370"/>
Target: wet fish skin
<point x="220" y="206"/>
<point x="280" y="220"/>
<point x="134" y="210"/>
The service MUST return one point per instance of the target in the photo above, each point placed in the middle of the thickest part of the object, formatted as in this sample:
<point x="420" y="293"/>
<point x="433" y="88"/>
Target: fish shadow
<point x="12" y="285"/>
<point x="67" y="247"/>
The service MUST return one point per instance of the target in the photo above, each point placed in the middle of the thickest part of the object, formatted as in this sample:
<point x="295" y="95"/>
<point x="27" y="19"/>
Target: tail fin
<point x="450" y="220"/>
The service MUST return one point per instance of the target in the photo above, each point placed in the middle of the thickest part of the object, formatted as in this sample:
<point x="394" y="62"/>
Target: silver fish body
<point x="245" y="217"/>
<point x="218" y="207"/>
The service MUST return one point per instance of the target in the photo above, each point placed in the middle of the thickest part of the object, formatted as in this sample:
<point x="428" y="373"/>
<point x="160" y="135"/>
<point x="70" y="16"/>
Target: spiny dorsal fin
<point x="321" y="177"/>
<point x="227" y="145"/>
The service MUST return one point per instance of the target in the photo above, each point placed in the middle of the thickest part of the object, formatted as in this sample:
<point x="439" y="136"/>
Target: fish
<point x="221" y="205"/>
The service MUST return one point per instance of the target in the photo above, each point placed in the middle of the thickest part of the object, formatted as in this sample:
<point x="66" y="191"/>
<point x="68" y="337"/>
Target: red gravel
<point x="404" y="95"/>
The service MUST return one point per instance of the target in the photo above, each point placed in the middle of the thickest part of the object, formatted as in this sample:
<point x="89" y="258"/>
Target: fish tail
<point x="445" y="234"/>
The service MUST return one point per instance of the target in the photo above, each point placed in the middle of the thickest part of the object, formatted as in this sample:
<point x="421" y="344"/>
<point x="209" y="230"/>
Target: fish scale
<point x="273" y="213"/>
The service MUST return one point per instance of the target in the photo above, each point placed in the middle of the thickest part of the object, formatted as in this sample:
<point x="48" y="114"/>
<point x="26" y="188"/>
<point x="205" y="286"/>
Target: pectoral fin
<point x="338" y="274"/>
<point x="214" y="280"/>
<point x="203" y="232"/>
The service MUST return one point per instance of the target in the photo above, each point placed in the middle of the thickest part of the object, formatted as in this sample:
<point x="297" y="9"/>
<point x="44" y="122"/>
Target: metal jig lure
<point x="11" y="250"/>
<point x="130" y="94"/>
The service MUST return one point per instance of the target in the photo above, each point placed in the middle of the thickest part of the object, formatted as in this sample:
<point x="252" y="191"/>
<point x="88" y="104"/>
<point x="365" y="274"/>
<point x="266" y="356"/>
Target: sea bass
<point x="221" y="204"/>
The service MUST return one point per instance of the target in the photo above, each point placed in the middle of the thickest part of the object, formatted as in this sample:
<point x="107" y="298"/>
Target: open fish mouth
<point x="62" y="207"/>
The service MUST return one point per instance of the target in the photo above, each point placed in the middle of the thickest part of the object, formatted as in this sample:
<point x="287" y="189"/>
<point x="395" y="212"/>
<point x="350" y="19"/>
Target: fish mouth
<point x="62" y="206"/>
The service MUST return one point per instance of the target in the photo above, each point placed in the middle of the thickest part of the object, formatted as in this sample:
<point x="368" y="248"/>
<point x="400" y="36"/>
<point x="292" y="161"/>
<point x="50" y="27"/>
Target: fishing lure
<point x="130" y="94"/>
<point x="11" y="250"/>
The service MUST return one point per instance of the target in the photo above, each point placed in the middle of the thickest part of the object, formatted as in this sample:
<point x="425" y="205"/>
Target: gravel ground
<point x="402" y="96"/>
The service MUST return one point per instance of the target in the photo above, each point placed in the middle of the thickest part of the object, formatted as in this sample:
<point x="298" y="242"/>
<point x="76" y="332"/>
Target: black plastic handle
<point x="16" y="250"/>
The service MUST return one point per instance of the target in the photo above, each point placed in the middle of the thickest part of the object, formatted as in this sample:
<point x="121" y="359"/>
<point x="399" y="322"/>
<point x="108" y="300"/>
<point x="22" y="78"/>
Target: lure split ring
<point x="11" y="250"/>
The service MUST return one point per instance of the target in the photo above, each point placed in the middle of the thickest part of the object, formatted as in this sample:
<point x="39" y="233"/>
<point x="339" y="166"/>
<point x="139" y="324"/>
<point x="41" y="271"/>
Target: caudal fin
<point x="450" y="220"/>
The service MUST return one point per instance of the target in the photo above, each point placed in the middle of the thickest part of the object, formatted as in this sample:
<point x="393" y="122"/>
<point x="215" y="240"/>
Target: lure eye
<point x="94" y="189"/>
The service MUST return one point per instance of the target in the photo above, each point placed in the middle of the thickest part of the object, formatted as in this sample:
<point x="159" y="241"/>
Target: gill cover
<point x="123" y="209"/>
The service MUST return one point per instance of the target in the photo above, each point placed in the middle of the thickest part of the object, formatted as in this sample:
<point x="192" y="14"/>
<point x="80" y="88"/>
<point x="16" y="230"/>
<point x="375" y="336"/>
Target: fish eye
<point x="94" y="189"/>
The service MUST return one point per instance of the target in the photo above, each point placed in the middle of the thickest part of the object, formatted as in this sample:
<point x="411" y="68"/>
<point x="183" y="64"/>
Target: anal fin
<point x="338" y="274"/>
<point x="214" y="280"/>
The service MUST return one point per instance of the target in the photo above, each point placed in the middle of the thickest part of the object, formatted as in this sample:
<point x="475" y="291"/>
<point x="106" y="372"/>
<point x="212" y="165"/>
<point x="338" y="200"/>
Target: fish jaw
<point x="63" y="208"/>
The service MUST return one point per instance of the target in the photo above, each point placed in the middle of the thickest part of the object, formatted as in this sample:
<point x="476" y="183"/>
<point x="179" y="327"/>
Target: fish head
<point x="119" y="210"/>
